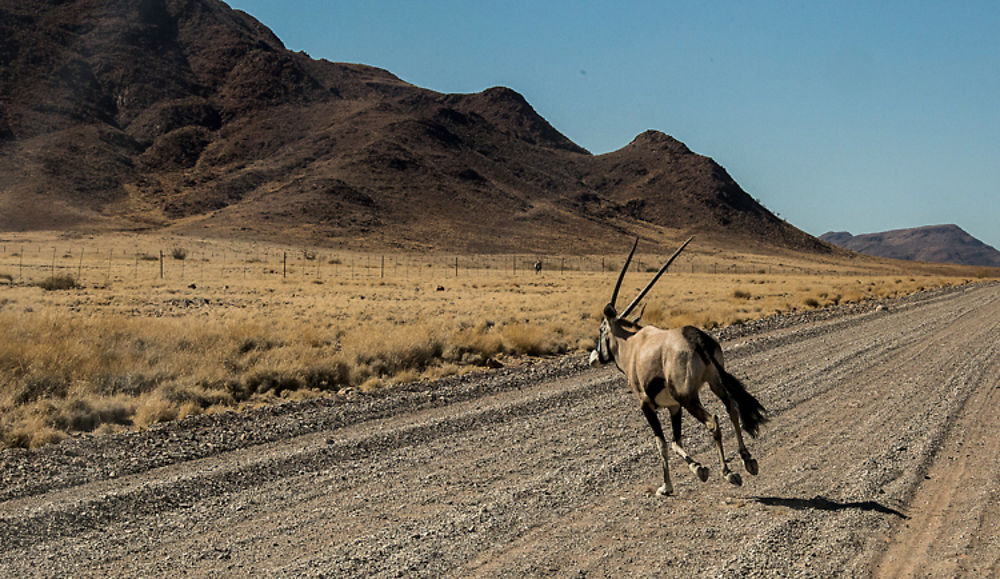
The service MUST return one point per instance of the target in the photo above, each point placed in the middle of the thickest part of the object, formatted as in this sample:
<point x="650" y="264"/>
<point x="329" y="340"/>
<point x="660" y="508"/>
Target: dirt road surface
<point x="882" y="458"/>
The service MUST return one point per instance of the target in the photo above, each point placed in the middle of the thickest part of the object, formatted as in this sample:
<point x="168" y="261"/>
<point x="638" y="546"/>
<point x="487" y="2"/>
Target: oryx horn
<point x="649" y="286"/>
<point x="621" y="276"/>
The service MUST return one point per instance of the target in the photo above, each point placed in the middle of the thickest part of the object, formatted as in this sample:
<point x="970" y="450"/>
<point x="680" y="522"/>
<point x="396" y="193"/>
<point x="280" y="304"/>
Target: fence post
<point x="284" y="264"/>
<point x="79" y="268"/>
<point x="161" y="264"/>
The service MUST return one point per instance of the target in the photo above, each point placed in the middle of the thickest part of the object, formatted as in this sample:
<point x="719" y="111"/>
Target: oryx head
<point x="615" y="325"/>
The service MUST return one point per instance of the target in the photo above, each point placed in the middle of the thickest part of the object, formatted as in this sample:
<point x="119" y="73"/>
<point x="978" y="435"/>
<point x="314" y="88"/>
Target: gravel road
<point x="882" y="458"/>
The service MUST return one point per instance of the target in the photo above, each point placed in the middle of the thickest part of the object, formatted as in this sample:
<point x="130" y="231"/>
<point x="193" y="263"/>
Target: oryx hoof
<point x="665" y="491"/>
<point x="701" y="471"/>
<point x="734" y="479"/>
<point x="751" y="465"/>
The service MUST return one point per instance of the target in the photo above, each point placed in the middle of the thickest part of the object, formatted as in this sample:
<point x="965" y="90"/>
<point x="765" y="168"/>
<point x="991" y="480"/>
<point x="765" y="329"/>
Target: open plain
<point x="881" y="459"/>
<point x="147" y="329"/>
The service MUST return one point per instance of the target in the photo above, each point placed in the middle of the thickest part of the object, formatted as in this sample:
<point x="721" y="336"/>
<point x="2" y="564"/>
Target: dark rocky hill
<point x="186" y="114"/>
<point x="934" y="243"/>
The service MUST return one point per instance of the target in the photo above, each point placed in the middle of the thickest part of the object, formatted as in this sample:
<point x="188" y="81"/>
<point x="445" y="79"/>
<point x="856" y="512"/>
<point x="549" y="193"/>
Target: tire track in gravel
<point x="557" y="477"/>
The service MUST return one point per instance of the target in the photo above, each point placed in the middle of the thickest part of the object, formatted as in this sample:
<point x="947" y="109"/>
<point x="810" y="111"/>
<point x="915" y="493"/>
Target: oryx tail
<point x="751" y="410"/>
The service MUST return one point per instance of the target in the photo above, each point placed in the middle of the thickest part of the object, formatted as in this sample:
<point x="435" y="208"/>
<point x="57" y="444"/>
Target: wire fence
<point x="86" y="264"/>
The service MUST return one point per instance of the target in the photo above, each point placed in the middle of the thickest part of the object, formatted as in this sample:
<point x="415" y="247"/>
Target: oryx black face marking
<point x="667" y="368"/>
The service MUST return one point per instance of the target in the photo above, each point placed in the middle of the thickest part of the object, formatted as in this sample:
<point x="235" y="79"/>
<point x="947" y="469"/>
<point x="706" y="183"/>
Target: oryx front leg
<point x="696" y="467"/>
<point x="661" y="446"/>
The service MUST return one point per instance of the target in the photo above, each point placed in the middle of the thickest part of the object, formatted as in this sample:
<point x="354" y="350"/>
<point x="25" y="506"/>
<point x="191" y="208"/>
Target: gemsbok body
<point x="667" y="369"/>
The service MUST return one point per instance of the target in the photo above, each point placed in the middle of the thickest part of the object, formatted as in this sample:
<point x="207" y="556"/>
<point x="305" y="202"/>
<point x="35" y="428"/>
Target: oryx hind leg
<point x="749" y="462"/>
<point x="696" y="467"/>
<point x="694" y="406"/>
<point x="661" y="446"/>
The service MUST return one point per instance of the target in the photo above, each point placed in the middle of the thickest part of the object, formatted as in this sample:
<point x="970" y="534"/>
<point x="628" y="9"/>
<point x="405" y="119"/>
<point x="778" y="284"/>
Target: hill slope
<point x="935" y="243"/>
<point x="190" y="115"/>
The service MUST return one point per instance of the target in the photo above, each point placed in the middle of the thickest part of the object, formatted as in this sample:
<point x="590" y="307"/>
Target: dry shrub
<point x="49" y="420"/>
<point x="474" y="345"/>
<point x="154" y="409"/>
<point x="85" y="415"/>
<point x="384" y="353"/>
<point x="31" y="432"/>
<point x="58" y="282"/>
<point x="200" y="395"/>
<point x="523" y="338"/>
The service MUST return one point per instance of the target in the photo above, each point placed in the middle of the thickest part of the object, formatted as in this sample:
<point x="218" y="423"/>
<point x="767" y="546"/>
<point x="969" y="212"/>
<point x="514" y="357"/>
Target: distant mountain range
<point x="190" y="116"/>
<point x="934" y="243"/>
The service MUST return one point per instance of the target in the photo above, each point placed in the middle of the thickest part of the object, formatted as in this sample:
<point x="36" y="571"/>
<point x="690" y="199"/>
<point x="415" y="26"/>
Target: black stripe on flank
<point x="703" y="344"/>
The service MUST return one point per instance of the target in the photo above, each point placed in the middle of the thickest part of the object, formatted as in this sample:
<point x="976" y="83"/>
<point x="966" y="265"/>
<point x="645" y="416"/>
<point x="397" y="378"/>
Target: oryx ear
<point x="610" y="312"/>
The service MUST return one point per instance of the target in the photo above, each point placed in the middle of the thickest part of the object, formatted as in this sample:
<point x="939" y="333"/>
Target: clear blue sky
<point x="858" y="116"/>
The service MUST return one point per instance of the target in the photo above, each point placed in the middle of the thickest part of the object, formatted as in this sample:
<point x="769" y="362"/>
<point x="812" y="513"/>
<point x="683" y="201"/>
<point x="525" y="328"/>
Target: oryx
<point x="666" y="369"/>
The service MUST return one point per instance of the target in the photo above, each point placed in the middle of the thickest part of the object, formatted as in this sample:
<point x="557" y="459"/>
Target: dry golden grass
<point x="232" y="325"/>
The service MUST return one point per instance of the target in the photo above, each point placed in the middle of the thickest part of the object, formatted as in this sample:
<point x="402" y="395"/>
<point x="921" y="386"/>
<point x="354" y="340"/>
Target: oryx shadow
<point x="821" y="503"/>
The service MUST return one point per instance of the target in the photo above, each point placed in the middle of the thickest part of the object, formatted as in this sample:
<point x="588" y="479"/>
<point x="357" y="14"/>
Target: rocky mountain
<point x="188" y="115"/>
<point x="934" y="243"/>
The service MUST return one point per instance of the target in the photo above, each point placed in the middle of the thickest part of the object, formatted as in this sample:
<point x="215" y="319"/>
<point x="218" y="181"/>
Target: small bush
<point x="179" y="253"/>
<point x="154" y="410"/>
<point x="812" y="302"/>
<point x="741" y="295"/>
<point x="58" y="282"/>
<point x="80" y="415"/>
<point x="523" y="338"/>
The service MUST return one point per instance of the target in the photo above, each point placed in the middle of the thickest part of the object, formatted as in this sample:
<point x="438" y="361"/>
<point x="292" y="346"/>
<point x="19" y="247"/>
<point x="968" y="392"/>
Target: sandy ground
<point x="882" y="458"/>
